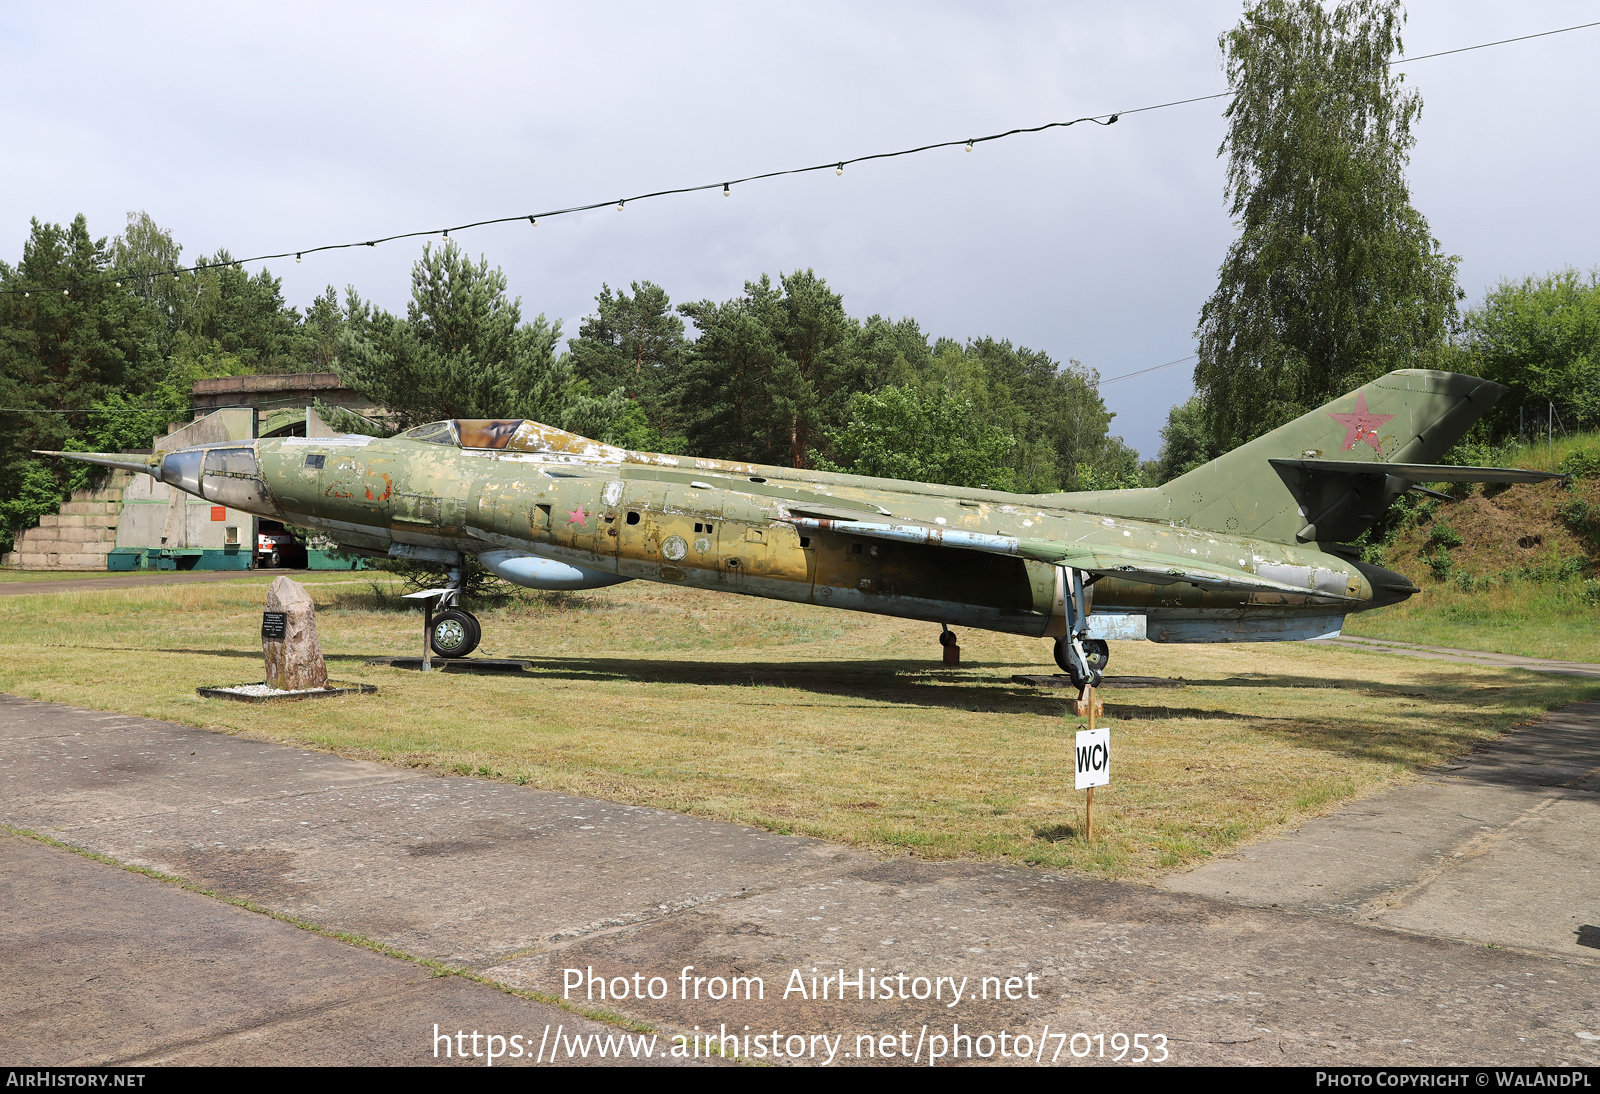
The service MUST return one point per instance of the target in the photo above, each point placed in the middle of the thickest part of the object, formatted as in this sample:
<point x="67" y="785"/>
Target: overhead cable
<point x="725" y="185"/>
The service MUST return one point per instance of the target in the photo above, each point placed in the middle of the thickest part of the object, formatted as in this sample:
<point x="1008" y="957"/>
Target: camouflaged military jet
<point x="1254" y="546"/>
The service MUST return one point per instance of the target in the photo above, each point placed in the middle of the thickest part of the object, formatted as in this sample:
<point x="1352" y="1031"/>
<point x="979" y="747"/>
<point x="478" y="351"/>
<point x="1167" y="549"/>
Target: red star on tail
<point x="1362" y="425"/>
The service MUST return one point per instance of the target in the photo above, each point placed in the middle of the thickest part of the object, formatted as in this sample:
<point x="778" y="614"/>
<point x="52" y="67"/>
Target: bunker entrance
<point x="276" y="548"/>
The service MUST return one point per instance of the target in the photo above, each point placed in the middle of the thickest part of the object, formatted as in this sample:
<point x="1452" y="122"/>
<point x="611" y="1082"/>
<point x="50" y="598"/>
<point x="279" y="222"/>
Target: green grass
<point x="153" y="577"/>
<point x="1535" y="619"/>
<point x="801" y="719"/>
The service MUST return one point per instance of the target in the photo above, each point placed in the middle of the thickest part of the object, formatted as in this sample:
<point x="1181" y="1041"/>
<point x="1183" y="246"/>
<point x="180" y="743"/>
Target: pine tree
<point x="634" y="344"/>
<point x="75" y="339"/>
<point x="772" y="371"/>
<point x="463" y="351"/>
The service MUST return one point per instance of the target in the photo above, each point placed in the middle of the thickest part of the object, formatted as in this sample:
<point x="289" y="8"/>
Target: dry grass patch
<point x="802" y="719"/>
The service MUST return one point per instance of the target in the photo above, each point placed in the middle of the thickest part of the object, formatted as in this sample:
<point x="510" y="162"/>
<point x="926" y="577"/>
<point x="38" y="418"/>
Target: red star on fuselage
<point x="577" y="516"/>
<point x="1362" y="425"/>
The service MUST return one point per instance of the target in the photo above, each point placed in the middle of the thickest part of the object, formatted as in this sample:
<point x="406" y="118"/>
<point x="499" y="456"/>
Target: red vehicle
<point x="271" y="547"/>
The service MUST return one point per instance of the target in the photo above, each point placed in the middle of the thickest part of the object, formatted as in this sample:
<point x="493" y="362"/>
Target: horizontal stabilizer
<point x="1148" y="567"/>
<point x="1339" y="499"/>
<point x="1422" y="472"/>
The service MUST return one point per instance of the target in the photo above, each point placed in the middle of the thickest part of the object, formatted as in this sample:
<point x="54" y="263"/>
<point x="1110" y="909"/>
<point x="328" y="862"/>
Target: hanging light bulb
<point x="620" y="204"/>
<point x="63" y="292"/>
<point x="297" y="258"/>
<point x="532" y="222"/>
<point x="839" y="170"/>
<point x="725" y="192"/>
<point x="969" y="146"/>
<point x="174" y="275"/>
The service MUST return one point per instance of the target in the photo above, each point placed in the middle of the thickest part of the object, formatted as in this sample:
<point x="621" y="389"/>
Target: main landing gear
<point x="1096" y="652"/>
<point x="453" y="632"/>
<point x="1082" y="658"/>
<point x="952" y="652"/>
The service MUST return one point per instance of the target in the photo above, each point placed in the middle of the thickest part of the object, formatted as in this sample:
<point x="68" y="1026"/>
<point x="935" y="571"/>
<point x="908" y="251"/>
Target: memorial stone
<point x="294" y="660"/>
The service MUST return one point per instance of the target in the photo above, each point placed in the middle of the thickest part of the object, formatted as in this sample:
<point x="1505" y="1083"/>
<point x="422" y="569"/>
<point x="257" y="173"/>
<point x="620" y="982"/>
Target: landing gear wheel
<point x="454" y="634"/>
<point x="1097" y="651"/>
<point x="1094" y="650"/>
<point x="274" y="559"/>
<point x="947" y="638"/>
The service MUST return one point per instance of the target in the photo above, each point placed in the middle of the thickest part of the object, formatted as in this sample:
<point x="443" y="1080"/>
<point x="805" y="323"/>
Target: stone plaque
<point x="294" y="658"/>
<point x="274" y="624"/>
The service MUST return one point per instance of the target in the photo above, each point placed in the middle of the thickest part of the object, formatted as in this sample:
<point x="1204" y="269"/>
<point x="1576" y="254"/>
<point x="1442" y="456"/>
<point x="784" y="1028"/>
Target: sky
<point x="264" y="128"/>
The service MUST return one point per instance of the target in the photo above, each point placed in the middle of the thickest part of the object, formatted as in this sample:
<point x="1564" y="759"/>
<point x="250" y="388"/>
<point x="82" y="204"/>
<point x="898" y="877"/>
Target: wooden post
<point x="427" y="635"/>
<point x="1088" y="813"/>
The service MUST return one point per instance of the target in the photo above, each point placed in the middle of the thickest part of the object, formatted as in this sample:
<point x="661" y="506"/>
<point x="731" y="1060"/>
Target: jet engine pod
<point x="533" y="572"/>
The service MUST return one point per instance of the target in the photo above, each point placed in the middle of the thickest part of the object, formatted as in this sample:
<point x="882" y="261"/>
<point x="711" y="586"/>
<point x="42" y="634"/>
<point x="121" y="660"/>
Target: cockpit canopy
<point x="510" y="434"/>
<point x="467" y="432"/>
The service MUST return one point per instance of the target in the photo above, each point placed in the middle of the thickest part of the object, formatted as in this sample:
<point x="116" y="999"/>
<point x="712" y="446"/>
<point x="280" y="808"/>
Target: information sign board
<point x="274" y="624"/>
<point x="1093" y="749"/>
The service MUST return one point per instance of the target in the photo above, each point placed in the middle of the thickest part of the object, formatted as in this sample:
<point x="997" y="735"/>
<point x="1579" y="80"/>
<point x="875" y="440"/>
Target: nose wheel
<point x="454" y="633"/>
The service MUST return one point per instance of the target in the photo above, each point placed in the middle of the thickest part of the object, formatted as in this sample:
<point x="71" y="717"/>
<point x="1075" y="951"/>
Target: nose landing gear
<point x="453" y="632"/>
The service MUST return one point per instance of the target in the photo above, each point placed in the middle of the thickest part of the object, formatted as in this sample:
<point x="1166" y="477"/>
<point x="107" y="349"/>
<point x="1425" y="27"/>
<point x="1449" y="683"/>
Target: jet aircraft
<point x="1253" y="546"/>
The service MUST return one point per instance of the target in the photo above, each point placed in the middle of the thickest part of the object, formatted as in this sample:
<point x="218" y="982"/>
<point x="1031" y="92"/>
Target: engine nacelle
<point x="534" y="572"/>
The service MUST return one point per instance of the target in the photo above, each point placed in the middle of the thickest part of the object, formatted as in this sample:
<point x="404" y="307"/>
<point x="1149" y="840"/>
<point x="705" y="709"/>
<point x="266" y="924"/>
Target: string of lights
<point x="726" y="185"/>
<point x="150" y="410"/>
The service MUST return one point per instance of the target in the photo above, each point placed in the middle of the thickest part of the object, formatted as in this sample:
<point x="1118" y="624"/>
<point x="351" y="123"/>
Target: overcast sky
<point x="271" y="127"/>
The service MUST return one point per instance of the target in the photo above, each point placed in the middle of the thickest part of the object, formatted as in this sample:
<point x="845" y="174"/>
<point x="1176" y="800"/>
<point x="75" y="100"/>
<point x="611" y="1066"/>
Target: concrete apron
<point x="523" y="885"/>
<point x="1497" y="849"/>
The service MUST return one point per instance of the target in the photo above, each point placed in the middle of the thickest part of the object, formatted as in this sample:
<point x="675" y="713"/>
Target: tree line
<point x="1333" y="279"/>
<point x="100" y="349"/>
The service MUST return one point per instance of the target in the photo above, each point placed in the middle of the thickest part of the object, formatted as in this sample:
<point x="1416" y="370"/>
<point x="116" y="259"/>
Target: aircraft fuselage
<point x="732" y="527"/>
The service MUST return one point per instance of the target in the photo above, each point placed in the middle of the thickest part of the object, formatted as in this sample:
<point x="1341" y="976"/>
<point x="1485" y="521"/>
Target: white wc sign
<point x="1094" y="758"/>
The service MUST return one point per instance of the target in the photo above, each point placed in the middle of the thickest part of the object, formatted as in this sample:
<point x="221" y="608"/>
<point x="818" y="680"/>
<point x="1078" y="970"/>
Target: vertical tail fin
<point x="1410" y="416"/>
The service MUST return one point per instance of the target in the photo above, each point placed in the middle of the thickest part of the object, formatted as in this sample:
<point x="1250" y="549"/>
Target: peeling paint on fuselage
<point x="565" y="497"/>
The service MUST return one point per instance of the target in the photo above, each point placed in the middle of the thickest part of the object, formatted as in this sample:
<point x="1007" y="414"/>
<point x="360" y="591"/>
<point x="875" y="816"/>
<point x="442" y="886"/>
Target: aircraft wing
<point x="1149" y="567"/>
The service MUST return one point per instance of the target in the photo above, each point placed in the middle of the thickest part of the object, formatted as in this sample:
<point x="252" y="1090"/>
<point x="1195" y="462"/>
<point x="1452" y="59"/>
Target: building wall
<point x="131" y="521"/>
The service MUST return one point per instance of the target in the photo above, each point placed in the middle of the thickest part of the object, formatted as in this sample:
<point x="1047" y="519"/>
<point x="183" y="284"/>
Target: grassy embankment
<point x="800" y="719"/>
<point x="1511" y="570"/>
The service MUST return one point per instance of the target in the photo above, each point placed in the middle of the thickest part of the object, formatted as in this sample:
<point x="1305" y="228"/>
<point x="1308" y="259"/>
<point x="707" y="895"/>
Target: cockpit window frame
<point x="432" y="433"/>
